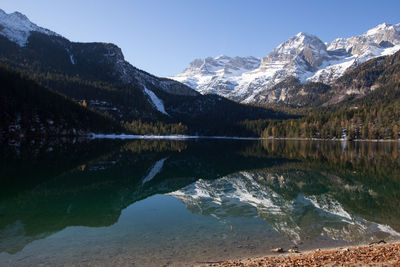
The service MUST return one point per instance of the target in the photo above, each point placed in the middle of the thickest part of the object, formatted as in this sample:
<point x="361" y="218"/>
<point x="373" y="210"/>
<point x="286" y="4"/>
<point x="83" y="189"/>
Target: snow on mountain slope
<point x="205" y="74"/>
<point x="303" y="56"/>
<point x="381" y="40"/>
<point x="157" y="102"/>
<point x="154" y="171"/>
<point x="17" y="27"/>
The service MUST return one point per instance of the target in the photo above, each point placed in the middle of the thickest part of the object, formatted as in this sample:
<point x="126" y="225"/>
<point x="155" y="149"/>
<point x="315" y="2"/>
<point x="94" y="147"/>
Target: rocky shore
<point x="372" y="255"/>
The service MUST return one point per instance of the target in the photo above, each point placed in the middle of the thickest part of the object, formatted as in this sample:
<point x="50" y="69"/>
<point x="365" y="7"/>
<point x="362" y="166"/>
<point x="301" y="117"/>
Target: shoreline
<point x="187" y="137"/>
<point x="335" y="140"/>
<point x="123" y="136"/>
<point x="169" y="137"/>
<point x="387" y="254"/>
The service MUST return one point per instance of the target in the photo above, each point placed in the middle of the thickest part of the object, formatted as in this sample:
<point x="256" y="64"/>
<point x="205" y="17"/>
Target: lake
<point x="184" y="202"/>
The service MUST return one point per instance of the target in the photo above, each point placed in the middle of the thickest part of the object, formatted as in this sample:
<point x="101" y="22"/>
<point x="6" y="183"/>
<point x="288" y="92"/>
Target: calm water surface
<point x="180" y="203"/>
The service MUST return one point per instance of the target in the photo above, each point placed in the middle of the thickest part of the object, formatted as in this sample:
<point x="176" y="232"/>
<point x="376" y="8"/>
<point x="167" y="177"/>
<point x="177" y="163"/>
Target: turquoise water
<point x="180" y="203"/>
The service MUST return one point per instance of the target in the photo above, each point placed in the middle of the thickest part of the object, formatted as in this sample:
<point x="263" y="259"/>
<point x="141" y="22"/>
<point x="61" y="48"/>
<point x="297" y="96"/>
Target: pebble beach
<point x="387" y="254"/>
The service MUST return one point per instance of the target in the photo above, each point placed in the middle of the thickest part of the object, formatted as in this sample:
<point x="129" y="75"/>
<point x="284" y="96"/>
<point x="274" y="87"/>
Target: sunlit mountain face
<point x="194" y="200"/>
<point x="303" y="58"/>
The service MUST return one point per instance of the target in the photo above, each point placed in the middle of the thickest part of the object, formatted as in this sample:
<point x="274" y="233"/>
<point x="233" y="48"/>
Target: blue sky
<point x="163" y="36"/>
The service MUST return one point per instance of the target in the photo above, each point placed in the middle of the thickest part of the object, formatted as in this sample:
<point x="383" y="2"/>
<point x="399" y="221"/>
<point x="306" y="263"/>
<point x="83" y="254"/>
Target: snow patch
<point x="331" y="70"/>
<point x="388" y="229"/>
<point x="154" y="171"/>
<point x="157" y="102"/>
<point x="329" y="205"/>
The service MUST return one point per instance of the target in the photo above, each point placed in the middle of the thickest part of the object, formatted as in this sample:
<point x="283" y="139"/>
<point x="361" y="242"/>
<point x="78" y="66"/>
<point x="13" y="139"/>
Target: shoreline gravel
<point x="370" y="255"/>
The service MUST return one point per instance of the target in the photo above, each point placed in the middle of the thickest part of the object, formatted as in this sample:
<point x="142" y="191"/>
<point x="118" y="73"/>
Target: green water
<point x="179" y="203"/>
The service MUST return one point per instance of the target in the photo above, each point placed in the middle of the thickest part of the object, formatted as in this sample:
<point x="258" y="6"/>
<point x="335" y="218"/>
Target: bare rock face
<point x="381" y="36"/>
<point x="302" y="48"/>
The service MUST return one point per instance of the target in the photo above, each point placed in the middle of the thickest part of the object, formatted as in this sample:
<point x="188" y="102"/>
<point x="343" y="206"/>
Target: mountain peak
<point x="19" y="16"/>
<point x="380" y="28"/>
<point x="222" y="56"/>
<point x="300" y="40"/>
<point x="302" y="46"/>
<point x="17" y="27"/>
<point x="306" y="35"/>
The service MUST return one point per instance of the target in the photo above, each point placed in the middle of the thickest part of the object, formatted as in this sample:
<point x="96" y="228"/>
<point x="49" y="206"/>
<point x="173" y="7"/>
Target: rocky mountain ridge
<point x="304" y="57"/>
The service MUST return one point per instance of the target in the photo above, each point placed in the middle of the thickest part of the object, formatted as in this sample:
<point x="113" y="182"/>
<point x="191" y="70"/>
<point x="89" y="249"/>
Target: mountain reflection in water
<point x="305" y="193"/>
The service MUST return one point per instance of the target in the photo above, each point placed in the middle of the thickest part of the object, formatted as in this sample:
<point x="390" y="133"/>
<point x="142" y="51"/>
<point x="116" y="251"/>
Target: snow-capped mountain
<point x="210" y="75"/>
<point x="299" y="218"/>
<point x="303" y="56"/>
<point x="17" y="27"/>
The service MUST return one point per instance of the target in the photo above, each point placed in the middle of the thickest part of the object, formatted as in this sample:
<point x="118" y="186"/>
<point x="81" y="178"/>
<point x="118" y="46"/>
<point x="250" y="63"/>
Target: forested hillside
<point x="97" y="76"/>
<point x="106" y="94"/>
<point x="29" y="109"/>
<point x="370" y="110"/>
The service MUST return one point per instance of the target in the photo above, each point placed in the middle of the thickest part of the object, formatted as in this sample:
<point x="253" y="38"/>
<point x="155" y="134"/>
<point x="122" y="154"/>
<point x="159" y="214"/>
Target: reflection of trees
<point x="378" y="158"/>
<point x="139" y="146"/>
